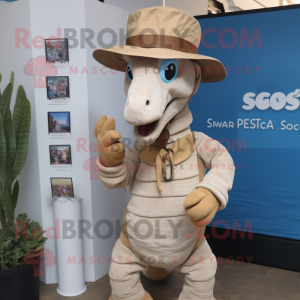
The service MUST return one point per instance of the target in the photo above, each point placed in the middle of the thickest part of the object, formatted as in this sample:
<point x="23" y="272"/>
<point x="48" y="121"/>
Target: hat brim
<point x="212" y="70"/>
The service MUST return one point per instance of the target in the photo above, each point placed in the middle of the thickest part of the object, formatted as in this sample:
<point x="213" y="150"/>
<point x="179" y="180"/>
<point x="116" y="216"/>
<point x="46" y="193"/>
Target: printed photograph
<point x="62" y="187"/>
<point x="59" y="122"/>
<point x="57" y="51"/>
<point x="58" y="87"/>
<point x="60" y="155"/>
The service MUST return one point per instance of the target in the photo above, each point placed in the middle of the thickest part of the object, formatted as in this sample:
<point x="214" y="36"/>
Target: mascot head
<point x="162" y="68"/>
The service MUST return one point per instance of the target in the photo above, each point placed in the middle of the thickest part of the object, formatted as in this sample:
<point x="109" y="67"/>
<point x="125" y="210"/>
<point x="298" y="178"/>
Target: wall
<point x="236" y="5"/>
<point x="195" y="8"/>
<point x="270" y="3"/>
<point x="105" y="96"/>
<point x="132" y="5"/>
<point x="15" y="59"/>
<point x="191" y="6"/>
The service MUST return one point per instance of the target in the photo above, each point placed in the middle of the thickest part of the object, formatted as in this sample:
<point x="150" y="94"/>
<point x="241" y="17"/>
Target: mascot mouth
<point x="147" y="129"/>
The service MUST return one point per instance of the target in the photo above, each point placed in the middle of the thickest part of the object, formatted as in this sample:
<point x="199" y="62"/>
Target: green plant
<point x="14" y="135"/>
<point x="23" y="245"/>
<point x="21" y="240"/>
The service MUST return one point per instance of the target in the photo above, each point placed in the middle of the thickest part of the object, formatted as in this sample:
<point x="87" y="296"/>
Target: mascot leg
<point x="199" y="269"/>
<point x="125" y="275"/>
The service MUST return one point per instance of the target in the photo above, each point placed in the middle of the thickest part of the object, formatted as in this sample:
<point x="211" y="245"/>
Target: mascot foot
<point x="156" y="274"/>
<point x="146" y="297"/>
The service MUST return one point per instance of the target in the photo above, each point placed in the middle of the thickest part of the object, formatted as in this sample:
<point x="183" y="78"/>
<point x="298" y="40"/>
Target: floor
<point x="236" y="281"/>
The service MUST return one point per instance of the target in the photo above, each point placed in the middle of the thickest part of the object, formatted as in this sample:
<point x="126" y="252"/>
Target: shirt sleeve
<point x="219" y="178"/>
<point x="122" y="175"/>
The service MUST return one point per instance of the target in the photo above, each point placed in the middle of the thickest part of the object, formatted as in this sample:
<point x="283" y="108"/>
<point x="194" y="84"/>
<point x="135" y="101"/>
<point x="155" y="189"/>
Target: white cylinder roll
<point x="69" y="247"/>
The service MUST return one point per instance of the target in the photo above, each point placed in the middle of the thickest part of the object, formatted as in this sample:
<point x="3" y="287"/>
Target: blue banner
<point x="255" y="114"/>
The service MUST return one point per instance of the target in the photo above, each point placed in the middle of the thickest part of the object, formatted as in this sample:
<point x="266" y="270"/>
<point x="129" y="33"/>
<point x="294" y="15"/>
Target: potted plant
<point x="21" y="240"/>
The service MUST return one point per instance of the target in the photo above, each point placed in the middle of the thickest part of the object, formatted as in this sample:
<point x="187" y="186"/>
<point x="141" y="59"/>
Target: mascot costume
<point x="172" y="196"/>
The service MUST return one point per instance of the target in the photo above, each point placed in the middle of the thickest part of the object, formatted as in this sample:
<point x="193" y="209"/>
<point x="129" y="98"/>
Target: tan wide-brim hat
<point x="164" y="33"/>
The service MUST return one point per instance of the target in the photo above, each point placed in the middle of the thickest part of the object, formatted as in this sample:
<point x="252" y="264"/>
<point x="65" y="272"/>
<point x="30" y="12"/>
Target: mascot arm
<point x="211" y="194"/>
<point x="122" y="175"/>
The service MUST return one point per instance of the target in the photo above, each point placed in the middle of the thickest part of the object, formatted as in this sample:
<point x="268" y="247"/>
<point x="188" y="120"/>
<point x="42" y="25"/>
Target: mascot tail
<point x="156" y="274"/>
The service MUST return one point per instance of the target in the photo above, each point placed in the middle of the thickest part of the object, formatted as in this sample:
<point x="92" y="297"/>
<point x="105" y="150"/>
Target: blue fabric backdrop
<point x="261" y="52"/>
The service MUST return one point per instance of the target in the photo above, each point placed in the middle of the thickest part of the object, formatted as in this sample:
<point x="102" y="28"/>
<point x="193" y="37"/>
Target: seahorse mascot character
<point x="172" y="196"/>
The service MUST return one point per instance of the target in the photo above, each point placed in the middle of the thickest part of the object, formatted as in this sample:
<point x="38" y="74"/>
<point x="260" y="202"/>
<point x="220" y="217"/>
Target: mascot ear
<point x="198" y="77"/>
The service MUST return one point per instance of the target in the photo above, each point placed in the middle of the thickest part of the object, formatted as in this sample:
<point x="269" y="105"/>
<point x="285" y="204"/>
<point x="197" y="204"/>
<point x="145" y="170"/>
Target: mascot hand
<point x="111" y="151"/>
<point x="201" y="206"/>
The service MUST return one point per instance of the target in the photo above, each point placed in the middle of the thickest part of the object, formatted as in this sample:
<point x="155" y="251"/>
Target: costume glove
<point x="201" y="206"/>
<point x="111" y="151"/>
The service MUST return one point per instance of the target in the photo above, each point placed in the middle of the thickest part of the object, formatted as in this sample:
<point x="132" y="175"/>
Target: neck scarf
<point x="175" y="154"/>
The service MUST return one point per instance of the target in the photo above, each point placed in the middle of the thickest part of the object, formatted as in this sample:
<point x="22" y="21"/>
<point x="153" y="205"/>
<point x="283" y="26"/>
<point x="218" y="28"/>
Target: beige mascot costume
<point x="172" y="196"/>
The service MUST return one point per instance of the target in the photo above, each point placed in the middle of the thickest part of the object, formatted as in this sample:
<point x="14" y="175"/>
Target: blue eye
<point x="168" y="70"/>
<point x="129" y="71"/>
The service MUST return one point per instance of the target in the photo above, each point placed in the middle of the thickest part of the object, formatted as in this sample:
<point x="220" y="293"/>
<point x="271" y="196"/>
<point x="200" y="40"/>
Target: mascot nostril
<point x="166" y="167"/>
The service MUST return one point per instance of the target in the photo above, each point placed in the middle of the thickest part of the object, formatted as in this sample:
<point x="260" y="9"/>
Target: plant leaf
<point x="0" y="77"/>
<point x="12" y="79"/>
<point x="3" y="154"/>
<point x="18" y="113"/>
<point x="22" y="139"/>
<point x="9" y="131"/>
<point x="1" y="199"/>
<point x="7" y="202"/>
<point x="15" y="195"/>
<point x="2" y="213"/>
<point x="5" y="100"/>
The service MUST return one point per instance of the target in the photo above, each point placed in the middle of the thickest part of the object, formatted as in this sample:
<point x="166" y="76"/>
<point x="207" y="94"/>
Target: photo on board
<point x="58" y="87"/>
<point x="60" y="155"/>
<point x="57" y="51"/>
<point x="62" y="187"/>
<point x="59" y="122"/>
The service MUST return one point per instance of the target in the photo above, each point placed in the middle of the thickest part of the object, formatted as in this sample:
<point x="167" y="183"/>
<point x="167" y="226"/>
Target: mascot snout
<point x="145" y="101"/>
